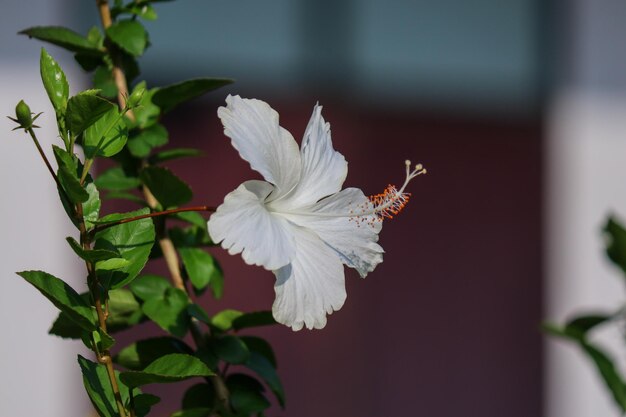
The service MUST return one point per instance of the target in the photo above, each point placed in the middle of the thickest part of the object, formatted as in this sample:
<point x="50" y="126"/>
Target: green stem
<point x="104" y="357"/>
<point x="86" y="168"/>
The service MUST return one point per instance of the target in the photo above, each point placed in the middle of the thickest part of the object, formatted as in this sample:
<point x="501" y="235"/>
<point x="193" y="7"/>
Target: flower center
<point x="388" y="203"/>
<point x="379" y="206"/>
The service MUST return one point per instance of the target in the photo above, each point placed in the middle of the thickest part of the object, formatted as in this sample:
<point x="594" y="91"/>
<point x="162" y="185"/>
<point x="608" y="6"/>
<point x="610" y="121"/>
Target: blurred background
<point x="516" y="108"/>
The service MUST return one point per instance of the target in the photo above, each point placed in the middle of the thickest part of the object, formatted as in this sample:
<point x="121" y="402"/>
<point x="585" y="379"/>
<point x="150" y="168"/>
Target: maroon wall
<point x="447" y="325"/>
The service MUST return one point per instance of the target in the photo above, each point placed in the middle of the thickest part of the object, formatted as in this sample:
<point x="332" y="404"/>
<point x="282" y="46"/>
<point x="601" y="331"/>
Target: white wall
<point x="40" y="376"/>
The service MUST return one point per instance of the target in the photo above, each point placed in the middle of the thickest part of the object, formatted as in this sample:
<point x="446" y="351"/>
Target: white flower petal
<point x="271" y="150"/>
<point x="311" y="286"/>
<point x="323" y="169"/>
<point x="243" y="225"/>
<point x="353" y="238"/>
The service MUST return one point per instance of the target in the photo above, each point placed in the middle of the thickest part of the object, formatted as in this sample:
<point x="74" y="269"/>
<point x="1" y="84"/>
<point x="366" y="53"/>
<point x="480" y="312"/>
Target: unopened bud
<point x="135" y="98"/>
<point x="23" y="115"/>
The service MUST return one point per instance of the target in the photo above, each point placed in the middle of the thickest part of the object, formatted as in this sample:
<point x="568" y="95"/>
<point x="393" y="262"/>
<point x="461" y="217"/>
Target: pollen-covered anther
<point x="391" y="201"/>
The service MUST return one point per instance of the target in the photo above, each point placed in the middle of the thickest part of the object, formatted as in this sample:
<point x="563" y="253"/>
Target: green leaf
<point x="124" y="310"/>
<point x="106" y="136"/>
<point x="103" y="340"/>
<point x="265" y="369"/>
<point x="169" y="368"/>
<point x="176" y="153"/>
<point x="199" y="266"/>
<point x="168" y="189"/>
<point x="103" y="80"/>
<point x="84" y="109"/>
<point x="199" y="313"/>
<point x="616" y="243"/>
<point x="129" y="35"/>
<point x="191" y="237"/>
<point x="63" y="297"/>
<point x="147" y="113"/>
<point x="144" y="402"/>
<point x="261" y="346"/>
<point x="116" y="179"/>
<point x="98" y="386"/>
<point x="149" y="286"/>
<point x="167" y="98"/>
<point x="112" y="264"/>
<point x="90" y="255"/>
<point x="194" y="412"/>
<point x="578" y="327"/>
<point x="138" y="355"/>
<point x="142" y="143"/>
<point x="169" y="312"/>
<point x="91" y="208"/>
<point x="246" y="394"/>
<point x="231" y="349"/>
<point x="199" y="396"/>
<point x="607" y="370"/>
<point x="63" y="37"/>
<point x="224" y="319"/>
<point x="55" y="83"/>
<point x="132" y="240"/>
<point x="254" y="319"/>
<point x="71" y="185"/>
<point x="64" y="327"/>
<point x="193" y="217"/>
<point x="122" y="195"/>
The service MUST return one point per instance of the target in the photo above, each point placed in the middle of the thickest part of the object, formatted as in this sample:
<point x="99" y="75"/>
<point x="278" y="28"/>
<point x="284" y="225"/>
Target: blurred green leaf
<point x="231" y="349"/>
<point x="144" y="402"/>
<point x="169" y="368"/>
<point x="254" y="319"/>
<point x="84" y="109"/>
<point x="103" y="80"/>
<point x="111" y="264"/>
<point x="116" y="179"/>
<point x="167" y="98"/>
<point x="106" y="136"/>
<point x="170" y="154"/>
<point x="264" y="368"/>
<point x="132" y="240"/>
<point x="616" y="243"/>
<point x="607" y="370"/>
<point x="63" y="37"/>
<point x="199" y="396"/>
<point x="194" y="412"/>
<point x="246" y="394"/>
<point x="91" y="208"/>
<point x="190" y="237"/>
<point x="224" y="319"/>
<point x="140" y="354"/>
<point x="149" y="286"/>
<point x="124" y="310"/>
<point x="169" y="312"/>
<point x="103" y="340"/>
<point x="129" y="35"/>
<point x="577" y="327"/>
<point x="63" y="297"/>
<point x="141" y="144"/>
<point x="260" y="346"/>
<point x="199" y="266"/>
<point x="167" y="188"/>
<point x="199" y="313"/>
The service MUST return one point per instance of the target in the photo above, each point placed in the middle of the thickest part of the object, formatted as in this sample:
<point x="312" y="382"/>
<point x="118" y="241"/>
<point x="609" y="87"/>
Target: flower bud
<point x="135" y="98"/>
<point x="23" y="115"/>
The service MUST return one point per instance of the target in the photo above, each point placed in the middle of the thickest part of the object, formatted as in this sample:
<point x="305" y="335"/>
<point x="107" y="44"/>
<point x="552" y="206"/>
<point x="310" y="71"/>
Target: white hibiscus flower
<point x="299" y="223"/>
